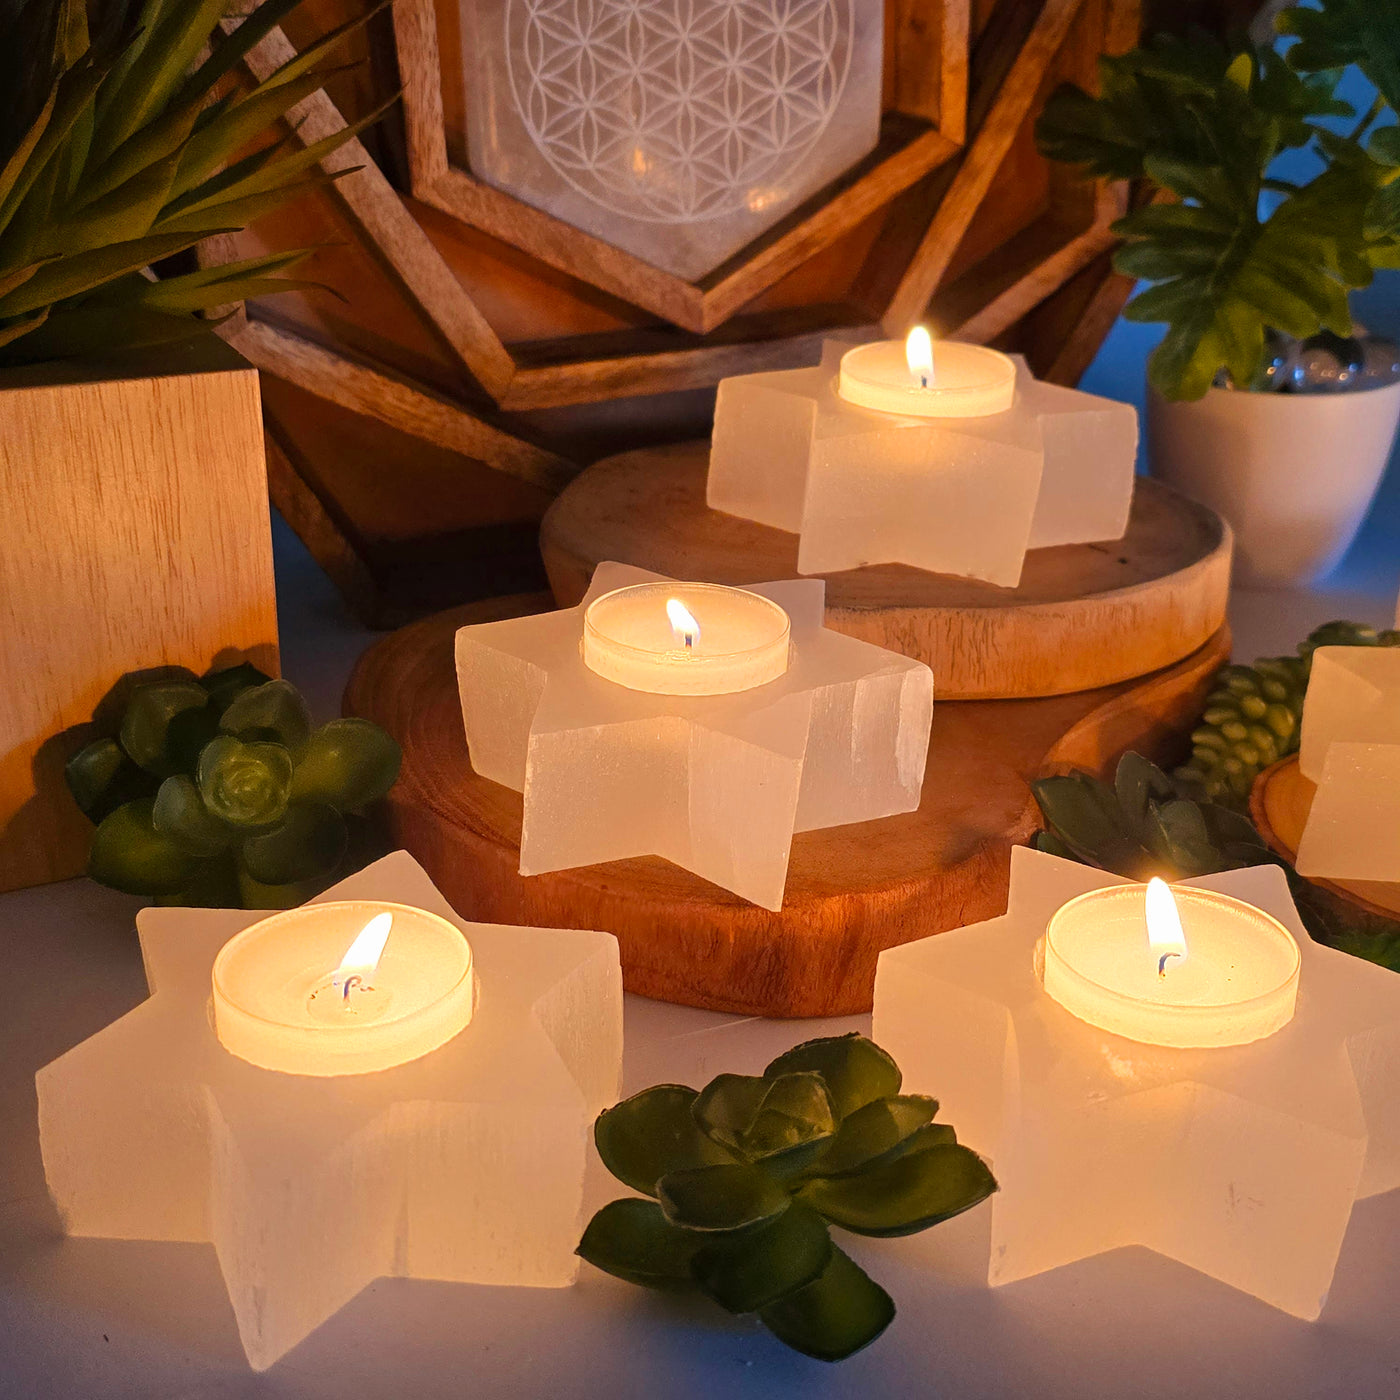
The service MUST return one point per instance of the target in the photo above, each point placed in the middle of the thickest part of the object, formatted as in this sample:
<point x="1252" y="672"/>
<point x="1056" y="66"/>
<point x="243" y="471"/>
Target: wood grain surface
<point x="1083" y="615"/>
<point x="136" y="535"/>
<point x="851" y="890"/>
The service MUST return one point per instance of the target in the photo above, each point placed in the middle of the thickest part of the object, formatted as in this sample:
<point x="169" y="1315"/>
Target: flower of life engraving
<point x="677" y="111"/>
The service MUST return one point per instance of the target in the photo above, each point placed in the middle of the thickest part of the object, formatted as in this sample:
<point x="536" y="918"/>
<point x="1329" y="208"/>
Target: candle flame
<point x="918" y="354"/>
<point x="1165" y="935"/>
<point x="683" y="624"/>
<point x="364" y="953"/>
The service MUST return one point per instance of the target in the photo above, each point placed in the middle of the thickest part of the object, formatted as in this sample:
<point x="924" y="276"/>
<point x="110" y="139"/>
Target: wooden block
<point x="851" y="890"/>
<point x="1083" y="615"/>
<point x="136" y="535"/>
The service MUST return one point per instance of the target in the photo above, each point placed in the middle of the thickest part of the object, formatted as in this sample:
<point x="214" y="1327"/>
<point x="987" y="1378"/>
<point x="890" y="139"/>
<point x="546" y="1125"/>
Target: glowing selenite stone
<point x="715" y="783"/>
<point x="1120" y="959"/>
<point x="1350" y="747"/>
<point x="464" y="1163"/>
<point x="1241" y="1161"/>
<point x="646" y="637"/>
<point x="679" y="130"/>
<point x="964" y="495"/>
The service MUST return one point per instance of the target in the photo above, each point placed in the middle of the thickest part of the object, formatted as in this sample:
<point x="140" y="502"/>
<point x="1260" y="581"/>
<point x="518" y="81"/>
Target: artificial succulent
<point x="216" y="790"/>
<point x="126" y="137"/>
<point x="742" y="1180"/>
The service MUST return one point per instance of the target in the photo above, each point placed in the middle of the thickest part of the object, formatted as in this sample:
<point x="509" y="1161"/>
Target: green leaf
<point x="874" y="1133"/>
<point x="856" y="1071"/>
<point x="729" y="1196"/>
<point x="88" y="330"/>
<point x="905" y="1195"/>
<point x="757" y="1268"/>
<point x="1343" y="32"/>
<point x="102" y="778"/>
<point x="835" y="1316"/>
<point x="347" y="763"/>
<point x="308" y="842"/>
<point x="214" y="885"/>
<point x="643" y="1138"/>
<point x="1083" y="813"/>
<point x="782" y="1120"/>
<point x="179" y="813"/>
<point x="246" y="785"/>
<point x="166" y="725"/>
<point x="273" y="711"/>
<point x="227" y="683"/>
<point x="129" y="854"/>
<point x="253" y="894"/>
<point x="633" y="1240"/>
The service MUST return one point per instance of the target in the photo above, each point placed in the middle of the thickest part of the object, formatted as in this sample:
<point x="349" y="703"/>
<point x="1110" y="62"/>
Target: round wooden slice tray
<point x="851" y="890"/>
<point x="1279" y="804"/>
<point x="1083" y="616"/>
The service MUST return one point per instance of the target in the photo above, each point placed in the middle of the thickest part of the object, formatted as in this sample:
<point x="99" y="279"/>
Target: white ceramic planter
<point x="1294" y="474"/>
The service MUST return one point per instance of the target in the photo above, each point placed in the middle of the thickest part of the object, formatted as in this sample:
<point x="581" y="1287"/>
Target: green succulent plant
<point x="1203" y="121"/>
<point x="216" y="790"/>
<point x="124" y="143"/>
<point x="1254" y="715"/>
<point x="1145" y="823"/>
<point x="742" y="1180"/>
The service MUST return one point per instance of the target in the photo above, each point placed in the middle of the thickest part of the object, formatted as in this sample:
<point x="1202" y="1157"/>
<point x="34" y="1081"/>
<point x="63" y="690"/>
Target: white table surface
<point x="91" y="1318"/>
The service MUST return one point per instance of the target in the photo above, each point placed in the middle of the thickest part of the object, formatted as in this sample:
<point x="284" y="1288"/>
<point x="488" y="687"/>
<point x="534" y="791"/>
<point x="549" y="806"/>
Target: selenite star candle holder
<point x="364" y="1086"/>
<point x="949" y="457"/>
<point x="695" y="722"/>
<point x="1350" y="747"/>
<point x="1213" y="1085"/>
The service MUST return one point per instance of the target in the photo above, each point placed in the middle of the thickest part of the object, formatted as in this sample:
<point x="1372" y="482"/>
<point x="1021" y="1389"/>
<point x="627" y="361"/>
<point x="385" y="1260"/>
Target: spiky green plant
<point x="123" y="141"/>
<point x="743" y="1178"/>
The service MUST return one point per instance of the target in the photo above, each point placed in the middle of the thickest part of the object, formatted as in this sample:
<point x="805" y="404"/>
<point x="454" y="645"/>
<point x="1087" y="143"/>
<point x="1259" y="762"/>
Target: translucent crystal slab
<point x="1353" y="696"/>
<point x="964" y="496"/>
<point x="678" y="130"/>
<point x="466" y="1164"/>
<point x="1241" y="1162"/>
<point x="715" y="784"/>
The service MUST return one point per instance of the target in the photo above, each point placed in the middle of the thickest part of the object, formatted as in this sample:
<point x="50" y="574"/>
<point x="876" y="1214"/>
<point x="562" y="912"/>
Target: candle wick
<point x="689" y="640"/>
<point x="923" y="381"/>
<point x="352" y="981"/>
<point x="1162" y="963"/>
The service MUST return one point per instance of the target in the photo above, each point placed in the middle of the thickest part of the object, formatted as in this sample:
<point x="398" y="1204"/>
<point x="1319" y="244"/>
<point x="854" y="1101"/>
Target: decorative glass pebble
<point x="466" y="1164"/>
<point x="678" y="130"/>
<point x="1380" y="364"/>
<point x="716" y="783"/>
<point x="964" y="496"/>
<point x="1240" y="1161"/>
<point x="1350" y="747"/>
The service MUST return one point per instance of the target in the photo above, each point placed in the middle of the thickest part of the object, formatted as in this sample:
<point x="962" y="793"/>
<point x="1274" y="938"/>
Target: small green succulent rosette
<point x="215" y="790"/>
<point x="742" y="1180"/>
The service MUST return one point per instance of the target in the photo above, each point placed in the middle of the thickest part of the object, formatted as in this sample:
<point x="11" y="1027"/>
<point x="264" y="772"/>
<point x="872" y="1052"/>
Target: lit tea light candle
<point x="909" y="378"/>
<point x="686" y="638"/>
<point x="289" y="993"/>
<point x="1192" y="969"/>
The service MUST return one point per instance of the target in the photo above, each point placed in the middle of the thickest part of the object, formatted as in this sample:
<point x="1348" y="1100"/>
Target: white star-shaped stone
<point x="716" y="784"/>
<point x="1240" y="1162"/>
<point x="963" y="496"/>
<point x="466" y="1164"/>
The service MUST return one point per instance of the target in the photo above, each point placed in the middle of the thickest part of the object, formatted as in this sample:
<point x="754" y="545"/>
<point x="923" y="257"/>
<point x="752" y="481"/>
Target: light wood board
<point x="136" y="535"/>
<point x="1083" y="616"/>
<point x="851" y="890"/>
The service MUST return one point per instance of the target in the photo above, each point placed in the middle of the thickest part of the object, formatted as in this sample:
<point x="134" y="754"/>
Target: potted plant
<point x="135" y="531"/>
<point x="1262" y="401"/>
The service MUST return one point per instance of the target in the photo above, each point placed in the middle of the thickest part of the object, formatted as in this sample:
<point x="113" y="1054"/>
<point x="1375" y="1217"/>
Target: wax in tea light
<point x="685" y="638"/>
<point x="290" y="995"/>
<point x="914" y="378"/>
<point x="1190" y="968"/>
<point x="1239" y="1160"/>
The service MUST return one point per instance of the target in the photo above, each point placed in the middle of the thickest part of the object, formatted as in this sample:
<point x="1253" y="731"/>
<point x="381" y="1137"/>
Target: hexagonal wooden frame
<point x="922" y="128"/>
